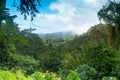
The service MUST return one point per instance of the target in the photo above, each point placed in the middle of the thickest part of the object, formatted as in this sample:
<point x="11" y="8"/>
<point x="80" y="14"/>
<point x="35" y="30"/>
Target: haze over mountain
<point x="61" y="34"/>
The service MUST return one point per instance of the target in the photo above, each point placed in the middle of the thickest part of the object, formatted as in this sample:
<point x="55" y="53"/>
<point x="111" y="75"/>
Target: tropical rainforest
<point x="94" y="55"/>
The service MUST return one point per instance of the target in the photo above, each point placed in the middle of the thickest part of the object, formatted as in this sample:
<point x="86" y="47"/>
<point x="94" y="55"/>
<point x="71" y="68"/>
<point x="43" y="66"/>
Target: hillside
<point x="58" y="35"/>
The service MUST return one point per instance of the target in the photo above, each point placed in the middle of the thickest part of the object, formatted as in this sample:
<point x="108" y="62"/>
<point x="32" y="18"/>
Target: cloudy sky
<point x="62" y="15"/>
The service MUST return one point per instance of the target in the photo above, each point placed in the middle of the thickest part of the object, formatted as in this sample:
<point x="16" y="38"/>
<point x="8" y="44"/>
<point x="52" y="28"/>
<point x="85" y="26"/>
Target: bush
<point x="44" y="76"/>
<point x="86" y="72"/>
<point x="73" y="76"/>
<point x="104" y="60"/>
<point x="109" y="78"/>
<point x="18" y="75"/>
<point x="6" y="75"/>
<point x="26" y="63"/>
<point x="69" y="62"/>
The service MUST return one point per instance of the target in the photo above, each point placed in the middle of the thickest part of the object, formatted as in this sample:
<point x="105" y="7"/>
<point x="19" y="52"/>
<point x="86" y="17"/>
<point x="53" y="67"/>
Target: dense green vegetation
<point x="88" y="54"/>
<point x="94" y="55"/>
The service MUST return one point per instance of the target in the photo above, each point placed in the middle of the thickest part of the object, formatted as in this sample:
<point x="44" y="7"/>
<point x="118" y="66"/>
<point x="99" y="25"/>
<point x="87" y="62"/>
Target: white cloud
<point x="90" y="1"/>
<point x="72" y="15"/>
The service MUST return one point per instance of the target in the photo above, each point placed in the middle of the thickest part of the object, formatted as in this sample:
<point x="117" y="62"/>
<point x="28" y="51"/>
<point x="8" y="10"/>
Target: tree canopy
<point x="110" y="13"/>
<point x="26" y="7"/>
<point x="84" y="56"/>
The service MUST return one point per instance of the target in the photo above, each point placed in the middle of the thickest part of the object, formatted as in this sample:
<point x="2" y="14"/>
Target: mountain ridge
<point x="62" y="34"/>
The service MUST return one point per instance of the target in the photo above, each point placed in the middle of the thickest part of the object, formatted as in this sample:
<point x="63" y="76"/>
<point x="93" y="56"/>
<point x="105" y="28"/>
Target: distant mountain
<point x="57" y="35"/>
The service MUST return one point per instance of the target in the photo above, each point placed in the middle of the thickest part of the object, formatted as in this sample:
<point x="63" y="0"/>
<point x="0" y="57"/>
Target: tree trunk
<point x="111" y="36"/>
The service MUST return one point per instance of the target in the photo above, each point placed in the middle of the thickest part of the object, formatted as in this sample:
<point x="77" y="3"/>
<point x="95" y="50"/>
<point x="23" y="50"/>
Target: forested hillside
<point x="87" y="54"/>
<point x="57" y="35"/>
<point x="93" y="55"/>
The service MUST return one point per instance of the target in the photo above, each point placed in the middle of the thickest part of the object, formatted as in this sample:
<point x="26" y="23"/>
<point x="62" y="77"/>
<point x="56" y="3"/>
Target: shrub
<point x="6" y="75"/>
<point x="86" y="72"/>
<point x="44" y="76"/>
<point x="73" y="76"/>
<point x="26" y="63"/>
<point x="18" y="75"/>
<point x="104" y="60"/>
<point x="109" y="78"/>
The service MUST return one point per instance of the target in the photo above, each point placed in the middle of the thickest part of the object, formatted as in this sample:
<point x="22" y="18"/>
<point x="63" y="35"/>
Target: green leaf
<point x="109" y="78"/>
<point x="73" y="76"/>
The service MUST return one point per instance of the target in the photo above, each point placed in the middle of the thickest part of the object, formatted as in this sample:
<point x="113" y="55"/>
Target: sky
<point x="61" y="15"/>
